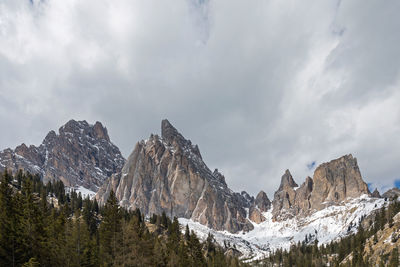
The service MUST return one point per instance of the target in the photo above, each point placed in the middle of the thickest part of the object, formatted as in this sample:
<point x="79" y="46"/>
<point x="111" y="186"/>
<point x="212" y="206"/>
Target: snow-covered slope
<point x="84" y="191"/>
<point x="325" y="225"/>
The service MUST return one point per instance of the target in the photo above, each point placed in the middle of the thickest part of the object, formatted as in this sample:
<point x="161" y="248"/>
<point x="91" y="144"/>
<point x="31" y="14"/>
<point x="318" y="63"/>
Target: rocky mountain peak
<point x="169" y="133"/>
<point x="376" y="193"/>
<point x="333" y="183"/>
<point x="262" y="201"/>
<point x="73" y="127"/>
<point x="168" y="175"/>
<point x="393" y="193"/>
<point x="100" y="132"/>
<point x="79" y="155"/>
<point x="336" y="181"/>
<point x="287" y="181"/>
<point x="219" y="176"/>
<point x="171" y="136"/>
<point x="284" y="197"/>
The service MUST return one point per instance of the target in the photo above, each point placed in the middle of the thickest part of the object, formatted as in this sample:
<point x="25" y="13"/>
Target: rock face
<point x="79" y="155"/>
<point x="167" y="174"/>
<point x="333" y="183"/>
<point x="376" y="193"/>
<point x="260" y="205"/>
<point x="284" y="197"/>
<point x="392" y="193"/>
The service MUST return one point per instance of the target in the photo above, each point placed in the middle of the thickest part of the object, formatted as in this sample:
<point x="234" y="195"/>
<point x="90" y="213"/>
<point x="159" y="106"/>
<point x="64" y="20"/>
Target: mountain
<point x="333" y="182"/>
<point x="80" y="154"/>
<point x="167" y="174"/>
<point x="392" y="193"/>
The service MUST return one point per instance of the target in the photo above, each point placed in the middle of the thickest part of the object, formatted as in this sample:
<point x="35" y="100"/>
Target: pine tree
<point x="195" y="250"/>
<point x="187" y="233"/>
<point x="110" y="231"/>
<point x="32" y="228"/>
<point x="8" y="233"/>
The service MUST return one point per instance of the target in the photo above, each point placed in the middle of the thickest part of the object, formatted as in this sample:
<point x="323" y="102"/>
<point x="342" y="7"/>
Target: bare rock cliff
<point x="336" y="181"/>
<point x="333" y="183"/>
<point x="167" y="174"/>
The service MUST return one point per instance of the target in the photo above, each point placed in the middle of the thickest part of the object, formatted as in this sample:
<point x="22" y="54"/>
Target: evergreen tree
<point x="8" y="231"/>
<point x="110" y="231"/>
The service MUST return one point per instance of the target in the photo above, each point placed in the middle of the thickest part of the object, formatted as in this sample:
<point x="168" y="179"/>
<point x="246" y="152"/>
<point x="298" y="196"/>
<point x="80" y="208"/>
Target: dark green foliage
<point x="41" y="225"/>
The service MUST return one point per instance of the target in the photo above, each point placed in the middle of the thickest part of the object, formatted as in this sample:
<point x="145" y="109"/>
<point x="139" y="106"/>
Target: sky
<point x="261" y="86"/>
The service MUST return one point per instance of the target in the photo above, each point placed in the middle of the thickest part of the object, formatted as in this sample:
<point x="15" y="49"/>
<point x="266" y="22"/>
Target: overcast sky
<point x="260" y="86"/>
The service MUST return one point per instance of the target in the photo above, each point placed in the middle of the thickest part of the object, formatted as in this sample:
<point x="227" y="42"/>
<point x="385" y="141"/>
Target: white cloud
<point x="261" y="86"/>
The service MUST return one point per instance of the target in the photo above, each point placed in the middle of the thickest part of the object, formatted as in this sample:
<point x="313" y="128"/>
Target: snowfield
<point x="325" y="225"/>
<point x="84" y="191"/>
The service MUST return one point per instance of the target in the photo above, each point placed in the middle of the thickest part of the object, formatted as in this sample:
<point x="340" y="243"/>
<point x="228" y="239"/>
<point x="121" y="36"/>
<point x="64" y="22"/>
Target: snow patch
<point x="325" y="225"/>
<point x="83" y="190"/>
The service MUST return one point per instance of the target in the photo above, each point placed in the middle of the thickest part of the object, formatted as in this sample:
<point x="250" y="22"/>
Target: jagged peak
<point x="262" y="195"/>
<point x="72" y="125"/>
<point x="262" y="201"/>
<point x="308" y="183"/>
<point x="247" y="197"/>
<point x="97" y="130"/>
<point x="376" y="193"/>
<point x="100" y="131"/>
<point x="287" y="180"/>
<point x="21" y="147"/>
<point x="352" y="161"/>
<point x="219" y="176"/>
<point x="169" y="133"/>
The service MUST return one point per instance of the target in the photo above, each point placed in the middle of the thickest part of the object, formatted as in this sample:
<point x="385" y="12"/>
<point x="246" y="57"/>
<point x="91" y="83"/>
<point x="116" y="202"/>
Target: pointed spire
<point x="287" y="180"/>
<point x="376" y="193"/>
<point x="100" y="131"/>
<point x="262" y="201"/>
<point x="169" y="133"/>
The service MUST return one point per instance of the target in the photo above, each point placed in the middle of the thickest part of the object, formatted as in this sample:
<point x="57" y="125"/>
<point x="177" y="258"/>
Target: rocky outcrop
<point x="262" y="202"/>
<point x="376" y="193"/>
<point x="167" y="174"/>
<point x="302" y="199"/>
<point x="393" y="193"/>
<point x="79" y="155"/>
<point x="336" y="181"/>
<point x="259" y="205"/>
<point x="333" y="183"/>
<point x="284" y="197"/>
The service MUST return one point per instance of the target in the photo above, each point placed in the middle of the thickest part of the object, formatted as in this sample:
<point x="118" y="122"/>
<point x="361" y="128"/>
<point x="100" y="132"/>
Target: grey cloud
<point x="261" y="86"/>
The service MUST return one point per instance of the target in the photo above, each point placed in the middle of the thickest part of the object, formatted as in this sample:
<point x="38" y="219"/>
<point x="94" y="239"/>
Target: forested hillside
<point x="41" y="225"/>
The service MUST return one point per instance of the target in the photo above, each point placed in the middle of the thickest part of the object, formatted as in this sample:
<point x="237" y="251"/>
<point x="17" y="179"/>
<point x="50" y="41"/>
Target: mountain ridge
<point x="167" y="174"/>
<point x="80" y="154"/>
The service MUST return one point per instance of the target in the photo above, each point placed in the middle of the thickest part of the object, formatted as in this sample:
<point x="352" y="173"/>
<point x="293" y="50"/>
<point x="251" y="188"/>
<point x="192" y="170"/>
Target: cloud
<point x="261" y="86"/>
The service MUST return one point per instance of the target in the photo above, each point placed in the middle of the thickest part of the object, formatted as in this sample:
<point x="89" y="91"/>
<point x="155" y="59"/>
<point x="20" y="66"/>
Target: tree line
<point x="42" y="225"/>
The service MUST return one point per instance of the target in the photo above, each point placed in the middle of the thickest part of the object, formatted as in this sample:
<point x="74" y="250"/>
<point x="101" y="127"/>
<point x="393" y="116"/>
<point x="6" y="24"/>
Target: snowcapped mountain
<point x="326" y="225"/>
<point x="80" y="155"/>
<point x="167" y="174"/>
